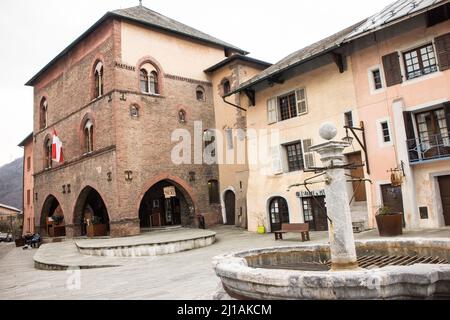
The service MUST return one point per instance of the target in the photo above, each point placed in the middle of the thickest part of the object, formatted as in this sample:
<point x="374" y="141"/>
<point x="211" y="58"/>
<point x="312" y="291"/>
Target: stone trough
<point x="264" y="273"/>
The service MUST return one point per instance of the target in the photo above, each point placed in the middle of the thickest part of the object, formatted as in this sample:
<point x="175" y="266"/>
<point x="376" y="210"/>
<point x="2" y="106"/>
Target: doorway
<point x="359" y="188"/>
<point x="165" y="205"/>
<point x="230" y="207"/>
<point x="313" y="214"/>
<point x="279" y="213"/>
<point x="444" y="187"/>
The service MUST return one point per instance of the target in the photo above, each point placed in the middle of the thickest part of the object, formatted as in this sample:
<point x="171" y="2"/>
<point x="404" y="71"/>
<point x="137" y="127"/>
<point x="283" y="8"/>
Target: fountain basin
<point x="290" y="272"/>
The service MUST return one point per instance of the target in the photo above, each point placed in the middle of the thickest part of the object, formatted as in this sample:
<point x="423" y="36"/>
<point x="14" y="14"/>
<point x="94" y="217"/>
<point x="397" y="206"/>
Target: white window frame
<point x="380" y="134"/>
<point x="273" y="115"/>
<point x="370" y="71"/>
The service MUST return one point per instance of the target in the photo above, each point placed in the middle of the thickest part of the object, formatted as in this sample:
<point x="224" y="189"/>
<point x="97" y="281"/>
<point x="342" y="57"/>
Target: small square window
<point x="423" y="213"/>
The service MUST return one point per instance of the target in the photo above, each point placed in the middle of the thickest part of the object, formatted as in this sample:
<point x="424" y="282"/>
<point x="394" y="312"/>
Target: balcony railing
<point x="434" y="147"/>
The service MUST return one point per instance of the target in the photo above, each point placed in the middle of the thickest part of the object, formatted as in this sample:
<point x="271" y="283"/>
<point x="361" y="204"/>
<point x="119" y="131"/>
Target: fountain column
<point x="342" y="241"/>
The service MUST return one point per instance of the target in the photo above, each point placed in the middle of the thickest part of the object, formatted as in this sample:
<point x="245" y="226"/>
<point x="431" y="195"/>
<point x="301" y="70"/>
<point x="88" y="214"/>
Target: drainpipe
<point x="232" y="104"/>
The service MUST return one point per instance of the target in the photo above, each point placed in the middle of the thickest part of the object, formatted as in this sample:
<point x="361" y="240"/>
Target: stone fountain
<point x="397" y="268"/>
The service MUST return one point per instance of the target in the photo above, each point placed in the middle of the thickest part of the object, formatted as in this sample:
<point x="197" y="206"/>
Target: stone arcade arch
<point x="166" y="203"/>
<point x="52" y="218"/>
<point x="90" y="216"/>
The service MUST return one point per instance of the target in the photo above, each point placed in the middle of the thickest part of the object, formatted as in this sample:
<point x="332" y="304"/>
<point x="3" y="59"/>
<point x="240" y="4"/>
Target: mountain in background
<point x="11" y="184"/>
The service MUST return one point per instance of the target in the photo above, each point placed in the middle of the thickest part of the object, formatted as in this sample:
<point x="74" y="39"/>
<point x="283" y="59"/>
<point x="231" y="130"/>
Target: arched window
<point x="134" y="111"/>
<point x="200" y="93"/>
<point x="226" y="87"/>
<point x="88" y="131"/>
<point x="43" y="108"/>
<point x="182" y="116"/>
<point x="98" y="75"/>
<point x="213" y="191"/>
<point x="153" y="79"/>
<point x="144" y="81"/>
<point x="48" y="153"/>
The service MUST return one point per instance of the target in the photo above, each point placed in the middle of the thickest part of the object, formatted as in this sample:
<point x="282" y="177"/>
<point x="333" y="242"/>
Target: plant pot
<point x="390" y="225"/>
<point x="96" y="230"/>
<point x="261" y="230"/>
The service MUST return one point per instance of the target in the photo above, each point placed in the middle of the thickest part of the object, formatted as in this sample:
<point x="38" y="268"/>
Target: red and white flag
<point x="57" y="151"/>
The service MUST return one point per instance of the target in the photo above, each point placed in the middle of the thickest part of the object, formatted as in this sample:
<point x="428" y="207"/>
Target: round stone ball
<point x="328" y="131"/>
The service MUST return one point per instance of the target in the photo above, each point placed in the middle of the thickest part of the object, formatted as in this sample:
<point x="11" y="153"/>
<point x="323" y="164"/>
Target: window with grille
<point x="295" y="157"/>
<point x="385" y="131"/>
<point x="307" y="210"/>
<point x="420" y="62"/>
<point x="377" y="80"/>
<point x="288" y="107"/>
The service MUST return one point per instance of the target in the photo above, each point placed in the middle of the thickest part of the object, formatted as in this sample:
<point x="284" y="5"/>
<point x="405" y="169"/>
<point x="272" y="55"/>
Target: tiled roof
<point x="152" y="18"/>
<point x="224" y="62"/>
<point x="392" y="13"/>
<point x="10" y="208"/>
<point x="301" y="56"/>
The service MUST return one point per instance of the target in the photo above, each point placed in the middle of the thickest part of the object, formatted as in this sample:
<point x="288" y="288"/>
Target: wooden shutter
<point x="392" y="69"/>
<point x="272" y="114"/>
<point x="308" y="156"/>
<point x="443" y="51"/>
<point x="277" y="166"/>
<point x="411" y="136"/>
<point x="447" y="114"/>
<point x="302" y="104"/>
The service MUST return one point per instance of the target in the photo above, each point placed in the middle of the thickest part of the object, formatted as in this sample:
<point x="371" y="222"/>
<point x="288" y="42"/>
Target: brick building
<point x="114" y="97"/>
<point x="28" y="210"/>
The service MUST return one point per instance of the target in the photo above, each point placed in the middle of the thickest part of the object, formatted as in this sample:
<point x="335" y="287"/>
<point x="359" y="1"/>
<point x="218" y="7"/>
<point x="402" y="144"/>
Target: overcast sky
<point x="32" y="32"/>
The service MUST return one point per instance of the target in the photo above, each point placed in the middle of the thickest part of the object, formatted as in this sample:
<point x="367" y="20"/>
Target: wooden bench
<point x="302" y="228"/>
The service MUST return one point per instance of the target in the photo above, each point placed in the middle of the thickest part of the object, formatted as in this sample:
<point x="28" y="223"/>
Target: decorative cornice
<point x="124" y="66"/>
<point x="179" y="78"/>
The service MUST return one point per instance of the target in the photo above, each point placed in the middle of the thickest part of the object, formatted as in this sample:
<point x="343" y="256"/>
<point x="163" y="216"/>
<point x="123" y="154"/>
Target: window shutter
<point x="392" y="70"/>
<point x="447" y="114"/>
<point x="277" y="166"/>
<point x="272" y="114"/>
<point x="410" y="135"/>
<point x="308" y="156"/>
<point x="443" y="51"/>
<point x="302" y="104"/>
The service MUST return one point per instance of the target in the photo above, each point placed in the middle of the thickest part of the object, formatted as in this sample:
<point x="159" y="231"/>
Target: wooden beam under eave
<point x="339" y="60"/>
<point x="251" y="94"/>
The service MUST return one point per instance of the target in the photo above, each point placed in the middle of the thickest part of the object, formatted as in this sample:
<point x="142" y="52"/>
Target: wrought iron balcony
<point x="434" y="147"/>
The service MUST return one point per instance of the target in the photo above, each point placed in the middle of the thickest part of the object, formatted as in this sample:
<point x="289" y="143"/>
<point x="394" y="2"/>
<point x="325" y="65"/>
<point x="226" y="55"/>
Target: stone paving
<point x="185" y="275"/>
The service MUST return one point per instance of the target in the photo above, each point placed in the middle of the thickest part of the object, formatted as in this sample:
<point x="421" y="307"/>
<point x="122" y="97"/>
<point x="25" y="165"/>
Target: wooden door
<point x="444" y="186"/>
<point x="156" y="213"/>
<point x="230" y="208"/>
<point x="279" y="213"/>
<point x="359" y="189"/>
<point x="320" y="218"/>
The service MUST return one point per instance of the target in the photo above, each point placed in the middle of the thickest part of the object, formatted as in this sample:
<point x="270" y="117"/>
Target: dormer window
<point x="98" y="78"/>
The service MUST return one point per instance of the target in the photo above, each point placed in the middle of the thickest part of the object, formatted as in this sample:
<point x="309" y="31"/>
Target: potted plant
<point x="96" y="227"/>
<point x="261" y="229"/>
<point x="390" y="224"/>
